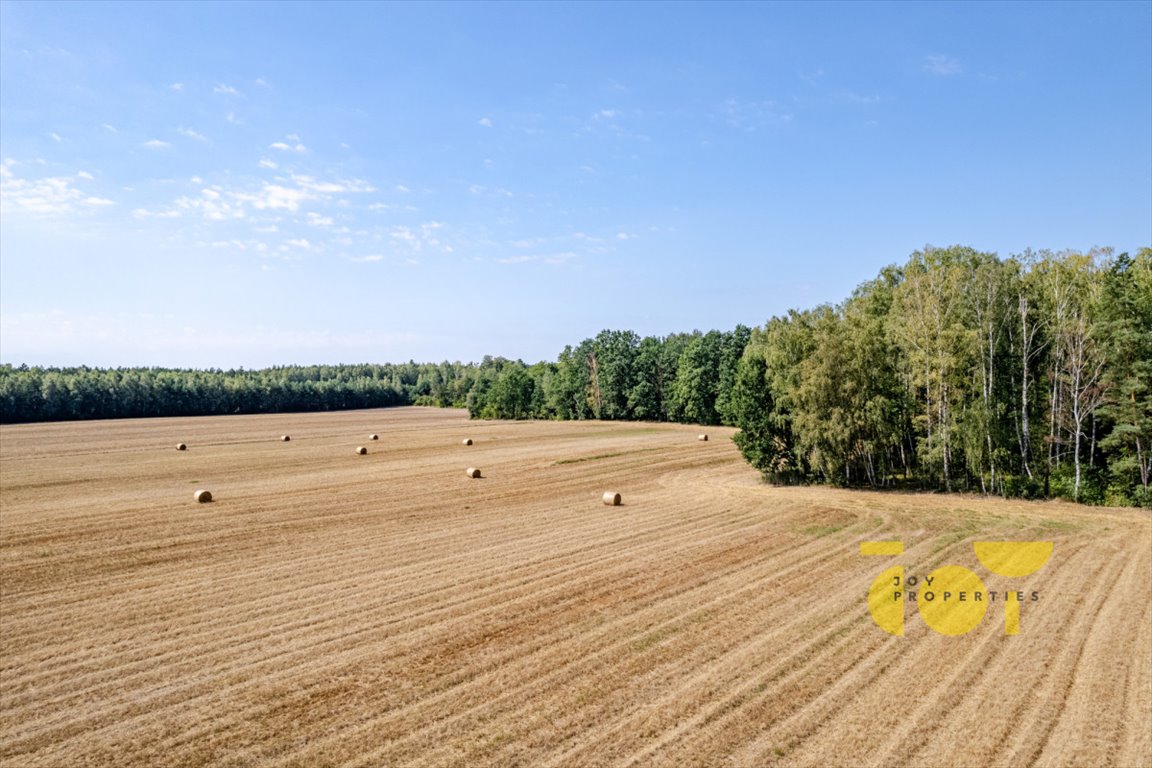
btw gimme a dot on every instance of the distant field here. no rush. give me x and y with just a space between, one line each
334 609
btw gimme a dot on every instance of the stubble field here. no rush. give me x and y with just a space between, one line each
345 610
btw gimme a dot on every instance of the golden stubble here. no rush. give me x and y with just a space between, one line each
333 609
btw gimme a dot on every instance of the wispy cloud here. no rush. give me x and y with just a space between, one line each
852 97
283 147
45 196
421 238
751 115
226 89
480 189
939 64
372 257
176 87
333 187
560 258
156 144
266 163
486 122
55 137
191 134
210 204
218 203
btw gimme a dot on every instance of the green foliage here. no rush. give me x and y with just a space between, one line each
1029 376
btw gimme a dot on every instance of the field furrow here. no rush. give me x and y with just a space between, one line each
330 609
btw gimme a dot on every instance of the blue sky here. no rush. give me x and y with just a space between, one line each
222 185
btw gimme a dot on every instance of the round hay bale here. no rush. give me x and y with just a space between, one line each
361 450
611 499
285 438
373 437
466 441
202 497
181 447
702 438
472 472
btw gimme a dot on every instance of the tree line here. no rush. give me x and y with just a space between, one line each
1027 376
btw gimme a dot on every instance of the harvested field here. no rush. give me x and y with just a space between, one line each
391 611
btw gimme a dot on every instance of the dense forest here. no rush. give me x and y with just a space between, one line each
1028 376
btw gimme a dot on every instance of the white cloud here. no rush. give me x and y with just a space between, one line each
110 128
226 90
280 145
55 137
369 258
219 203
332 187
191 134
515 260
211 206
266 163
484 121
405 235
176 87
560 258
402 188
231 117
276 197
623 236
262 82
156 144
939 64
144 213
426 237
751 115
47 196
299 243
85 175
